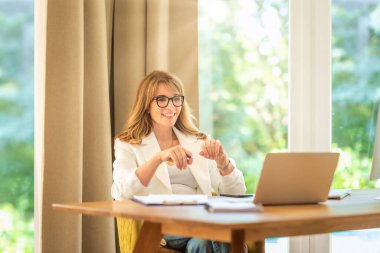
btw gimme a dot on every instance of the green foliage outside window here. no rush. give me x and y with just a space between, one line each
243 64
244 58
356 88
16 126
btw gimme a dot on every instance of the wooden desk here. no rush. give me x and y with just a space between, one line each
359 211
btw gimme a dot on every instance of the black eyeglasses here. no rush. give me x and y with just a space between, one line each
163 101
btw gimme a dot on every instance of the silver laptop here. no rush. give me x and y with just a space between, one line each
296 178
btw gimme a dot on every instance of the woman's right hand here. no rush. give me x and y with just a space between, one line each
178 155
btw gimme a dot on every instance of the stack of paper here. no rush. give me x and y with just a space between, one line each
171 199
212 204
232 204
223 206
339 193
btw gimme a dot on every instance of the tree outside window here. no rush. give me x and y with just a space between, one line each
16 126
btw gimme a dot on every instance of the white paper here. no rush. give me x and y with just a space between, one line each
171 199
233 205
339 193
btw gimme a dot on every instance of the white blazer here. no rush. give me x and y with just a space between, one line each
128 157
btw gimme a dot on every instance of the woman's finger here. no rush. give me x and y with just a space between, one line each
205 150
209 148
184 158
217 151
212 148
216 148
189 156
177 159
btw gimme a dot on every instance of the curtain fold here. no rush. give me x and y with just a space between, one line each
90 56
61 179
183 45
74 158
129 57
97 155
150 35
172 42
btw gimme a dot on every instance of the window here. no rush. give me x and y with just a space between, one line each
16 126
356 94
243 82
356 87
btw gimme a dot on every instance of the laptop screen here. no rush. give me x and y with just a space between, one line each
296 178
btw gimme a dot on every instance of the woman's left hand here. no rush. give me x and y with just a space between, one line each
213 149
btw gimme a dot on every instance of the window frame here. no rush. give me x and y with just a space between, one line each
310 103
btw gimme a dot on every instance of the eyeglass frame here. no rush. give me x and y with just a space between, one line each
181 96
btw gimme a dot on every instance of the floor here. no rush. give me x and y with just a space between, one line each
360 241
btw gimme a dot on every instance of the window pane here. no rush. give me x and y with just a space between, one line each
356 94
16 126
243 80
356 88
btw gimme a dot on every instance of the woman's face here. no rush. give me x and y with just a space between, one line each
165 116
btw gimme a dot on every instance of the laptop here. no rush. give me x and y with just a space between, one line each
296 178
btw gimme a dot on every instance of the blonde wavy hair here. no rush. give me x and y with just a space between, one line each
139 123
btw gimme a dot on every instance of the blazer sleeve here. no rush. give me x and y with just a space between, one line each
125 182
232 183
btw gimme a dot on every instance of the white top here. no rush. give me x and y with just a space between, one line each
128 157
182 181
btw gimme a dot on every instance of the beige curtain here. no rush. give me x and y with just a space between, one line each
154 34
90 56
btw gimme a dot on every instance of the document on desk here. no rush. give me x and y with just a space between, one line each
171 199
232 204
339 193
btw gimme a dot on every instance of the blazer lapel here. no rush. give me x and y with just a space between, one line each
199 168
149 148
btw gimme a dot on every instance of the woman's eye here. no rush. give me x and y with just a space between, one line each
161 99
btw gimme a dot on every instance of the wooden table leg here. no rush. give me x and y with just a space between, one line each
237 242
149 238
259 246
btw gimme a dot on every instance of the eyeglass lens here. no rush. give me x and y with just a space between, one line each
163 101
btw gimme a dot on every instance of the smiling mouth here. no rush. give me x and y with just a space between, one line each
168 114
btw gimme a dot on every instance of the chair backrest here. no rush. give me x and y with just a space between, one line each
128 231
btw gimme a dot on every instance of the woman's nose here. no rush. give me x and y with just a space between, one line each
171 105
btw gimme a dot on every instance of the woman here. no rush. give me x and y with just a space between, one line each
161 151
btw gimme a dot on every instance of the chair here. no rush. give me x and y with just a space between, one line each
128 230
